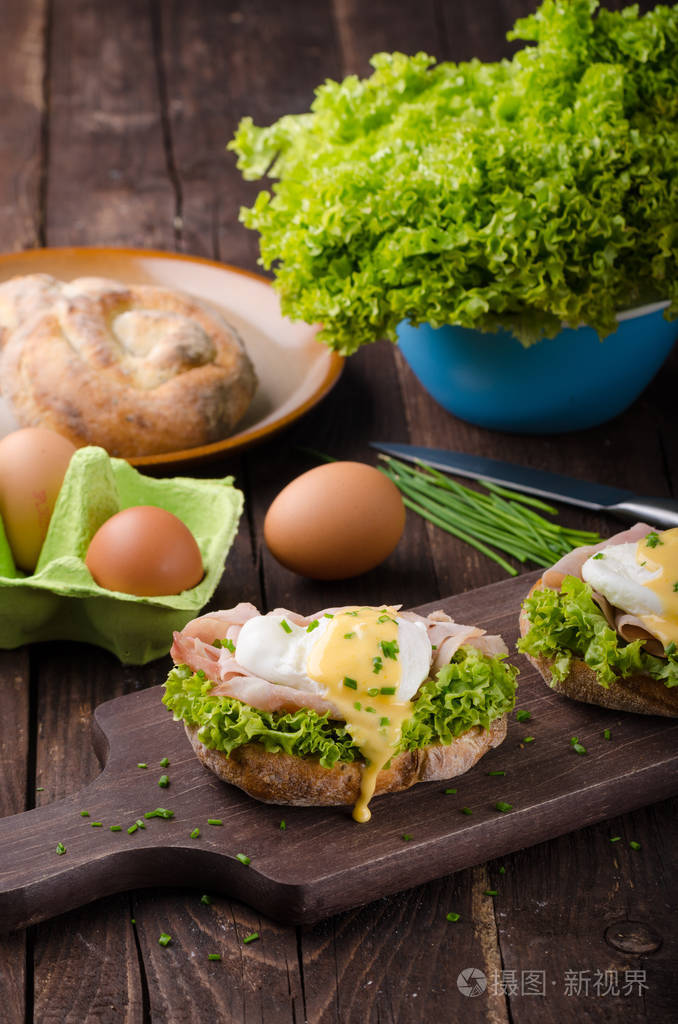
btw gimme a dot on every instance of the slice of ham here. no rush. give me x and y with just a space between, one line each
629 627
194 646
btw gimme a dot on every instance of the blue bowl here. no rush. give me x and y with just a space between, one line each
569 382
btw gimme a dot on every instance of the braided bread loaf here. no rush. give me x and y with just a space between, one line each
137 369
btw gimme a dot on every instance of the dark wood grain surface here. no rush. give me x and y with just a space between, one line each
114 123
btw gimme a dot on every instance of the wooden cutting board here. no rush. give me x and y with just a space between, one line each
322 862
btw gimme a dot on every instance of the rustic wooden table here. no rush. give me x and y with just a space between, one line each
114 122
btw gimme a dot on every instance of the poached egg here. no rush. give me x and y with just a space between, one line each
641 578
367 662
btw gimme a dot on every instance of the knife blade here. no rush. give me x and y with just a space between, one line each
599 497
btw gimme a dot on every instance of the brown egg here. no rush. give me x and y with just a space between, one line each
146 551
33 463
337 520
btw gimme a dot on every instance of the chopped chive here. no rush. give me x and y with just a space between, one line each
60 849
448 792
39 789
201 674
250 938
387 691
371 710
377 664
97 824
634 845
615 839
496 773
214 956
502 870
142 764
132 829
385 618
116 828
522 715
164 763
466 810
351 684
159 812
357 705
195 834
390 649
207 900
243 858
373 691
383 722
406 836
312 625
354 614
501 805
283 825
606 734
164 939
653 539
491 892
139 823
452 916
528 739
328 615
599 555
578 747
348 636
163 781
84 814
214 821
285 625
216 643
229 645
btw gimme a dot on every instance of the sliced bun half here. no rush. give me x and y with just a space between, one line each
278 778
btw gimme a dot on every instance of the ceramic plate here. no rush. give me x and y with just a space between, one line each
295 371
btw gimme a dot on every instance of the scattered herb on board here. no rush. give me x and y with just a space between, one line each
522 715
164 781
452 916
578 747
252 937
60 849
634 845
207 900
502 806
214 956
164 939
243 858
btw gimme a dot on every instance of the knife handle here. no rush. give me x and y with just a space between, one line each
657 511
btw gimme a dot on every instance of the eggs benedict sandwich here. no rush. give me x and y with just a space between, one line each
338 706
602 624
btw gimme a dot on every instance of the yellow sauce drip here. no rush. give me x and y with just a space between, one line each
346 651
663 555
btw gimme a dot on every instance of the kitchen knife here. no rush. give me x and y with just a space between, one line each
600 497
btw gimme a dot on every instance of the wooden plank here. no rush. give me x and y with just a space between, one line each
323 862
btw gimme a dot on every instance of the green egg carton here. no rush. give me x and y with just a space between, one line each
61 601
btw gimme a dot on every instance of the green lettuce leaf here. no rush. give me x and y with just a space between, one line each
518 194
568 623
472 690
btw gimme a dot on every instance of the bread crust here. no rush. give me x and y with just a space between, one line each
284 779
638 693
137 369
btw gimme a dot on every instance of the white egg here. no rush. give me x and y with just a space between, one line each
280 653
621 579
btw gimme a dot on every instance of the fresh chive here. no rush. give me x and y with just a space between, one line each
371 710
387 691
283 825
163 781
312 625
39 789
357 705
214 821
229 645
252 937
653 539
60 849
195 834
452 916
377 665
491 892
97 824
385 618
373 691
390 649
132 829
354 614
502 870
116 828
142 764
634 845
606 734
466 810
348 636
598 555
285 625
448 792
383 722
216 643
214 956
528 739
351 684
84 814
502 806
159 812
407 837
578 747
243 858
207 900
615 839
139 823
496 773
328 615
164 762
164 939
522 715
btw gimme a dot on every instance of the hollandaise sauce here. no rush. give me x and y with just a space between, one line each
357 659
658 552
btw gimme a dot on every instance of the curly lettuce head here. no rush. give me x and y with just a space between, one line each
521 194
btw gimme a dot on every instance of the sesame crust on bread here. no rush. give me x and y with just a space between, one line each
638 693
279 778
